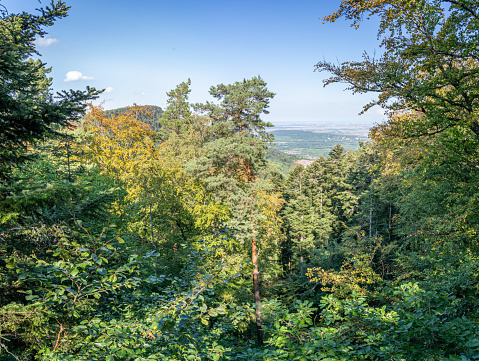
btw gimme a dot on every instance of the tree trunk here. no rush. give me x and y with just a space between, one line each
301 240
68 160
390 214
257 298
371 212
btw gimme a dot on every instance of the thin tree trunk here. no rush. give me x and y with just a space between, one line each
152 231
257 298
68 160
371 213
390 230
301 240
371 220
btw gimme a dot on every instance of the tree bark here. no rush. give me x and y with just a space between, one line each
371 212
68 160
257 298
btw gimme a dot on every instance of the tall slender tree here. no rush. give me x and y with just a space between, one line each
178 112
233 161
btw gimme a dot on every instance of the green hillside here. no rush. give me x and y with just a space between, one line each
153 119
285 162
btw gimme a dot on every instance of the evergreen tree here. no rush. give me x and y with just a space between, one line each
307 215
338 188
183 132
29 112
40 199
232 163
177 113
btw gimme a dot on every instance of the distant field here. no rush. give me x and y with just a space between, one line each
311 145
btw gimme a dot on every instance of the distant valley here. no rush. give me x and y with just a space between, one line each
294 143
313 143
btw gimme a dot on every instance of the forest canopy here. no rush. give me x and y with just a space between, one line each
167 234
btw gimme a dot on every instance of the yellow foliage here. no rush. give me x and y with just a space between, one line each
355 275
397 153
118 145
269 204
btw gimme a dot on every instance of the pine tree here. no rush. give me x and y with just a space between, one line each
232 163
29 112
307 217
177 114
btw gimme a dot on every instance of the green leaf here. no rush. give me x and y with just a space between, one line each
95 258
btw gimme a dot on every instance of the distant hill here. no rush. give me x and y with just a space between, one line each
153 120
285 162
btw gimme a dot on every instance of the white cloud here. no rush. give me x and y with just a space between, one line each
109 89
142 93
76 76
45 42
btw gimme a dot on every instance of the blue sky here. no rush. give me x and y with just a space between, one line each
141 49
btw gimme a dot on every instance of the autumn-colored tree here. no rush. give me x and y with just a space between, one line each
429 63
117 144
170 207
